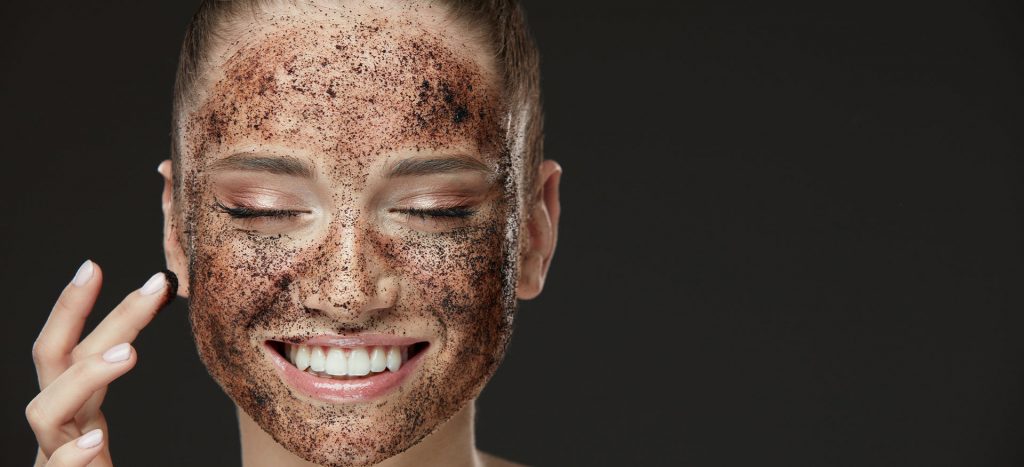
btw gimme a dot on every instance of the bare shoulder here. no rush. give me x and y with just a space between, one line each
494 461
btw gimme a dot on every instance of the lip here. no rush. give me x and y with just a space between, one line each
342 391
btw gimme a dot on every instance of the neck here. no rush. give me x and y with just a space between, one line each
453 444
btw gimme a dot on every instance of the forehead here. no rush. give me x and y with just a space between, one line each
348 84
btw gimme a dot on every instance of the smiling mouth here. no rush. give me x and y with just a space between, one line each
347 362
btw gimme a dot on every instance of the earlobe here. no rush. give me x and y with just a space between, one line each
174 254
542 229
531 274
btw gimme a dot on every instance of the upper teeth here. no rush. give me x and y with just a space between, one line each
350 361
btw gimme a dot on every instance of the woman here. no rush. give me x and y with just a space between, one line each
355 201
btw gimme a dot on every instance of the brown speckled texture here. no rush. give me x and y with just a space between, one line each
171 292
346 88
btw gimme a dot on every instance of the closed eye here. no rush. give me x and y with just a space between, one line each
246 212
456 212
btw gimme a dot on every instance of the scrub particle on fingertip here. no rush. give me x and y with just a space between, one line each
171 292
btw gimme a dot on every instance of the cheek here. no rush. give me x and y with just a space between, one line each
455 280
451 269
239 277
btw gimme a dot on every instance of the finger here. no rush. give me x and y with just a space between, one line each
78 452
63 328
54 407
124 323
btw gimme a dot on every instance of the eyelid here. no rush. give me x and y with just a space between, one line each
435 201
264 198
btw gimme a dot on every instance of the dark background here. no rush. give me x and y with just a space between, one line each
791 233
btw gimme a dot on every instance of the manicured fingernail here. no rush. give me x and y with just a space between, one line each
90 439
118 353
84 274
154 284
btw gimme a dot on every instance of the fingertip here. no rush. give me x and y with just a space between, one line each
89 275
119 353
78 452
90 440
172 287
84 273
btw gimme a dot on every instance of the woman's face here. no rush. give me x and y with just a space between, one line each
347 189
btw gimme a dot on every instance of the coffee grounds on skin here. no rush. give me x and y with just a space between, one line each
347 87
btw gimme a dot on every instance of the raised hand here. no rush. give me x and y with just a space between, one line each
73 375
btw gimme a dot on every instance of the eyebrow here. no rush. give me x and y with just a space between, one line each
287 165
278 165
412 167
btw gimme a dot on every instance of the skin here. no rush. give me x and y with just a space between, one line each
350 95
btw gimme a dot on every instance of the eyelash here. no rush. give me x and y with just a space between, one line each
454 212
245 212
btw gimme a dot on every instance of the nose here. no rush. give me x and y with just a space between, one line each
346 281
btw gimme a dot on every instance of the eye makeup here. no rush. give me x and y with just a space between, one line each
246 212
457 212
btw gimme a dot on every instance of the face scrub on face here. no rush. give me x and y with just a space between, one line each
349 93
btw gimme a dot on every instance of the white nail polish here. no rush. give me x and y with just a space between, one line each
154 284
118 353
90 439
84 273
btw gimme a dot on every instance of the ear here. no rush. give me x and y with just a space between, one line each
174 254
542 232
